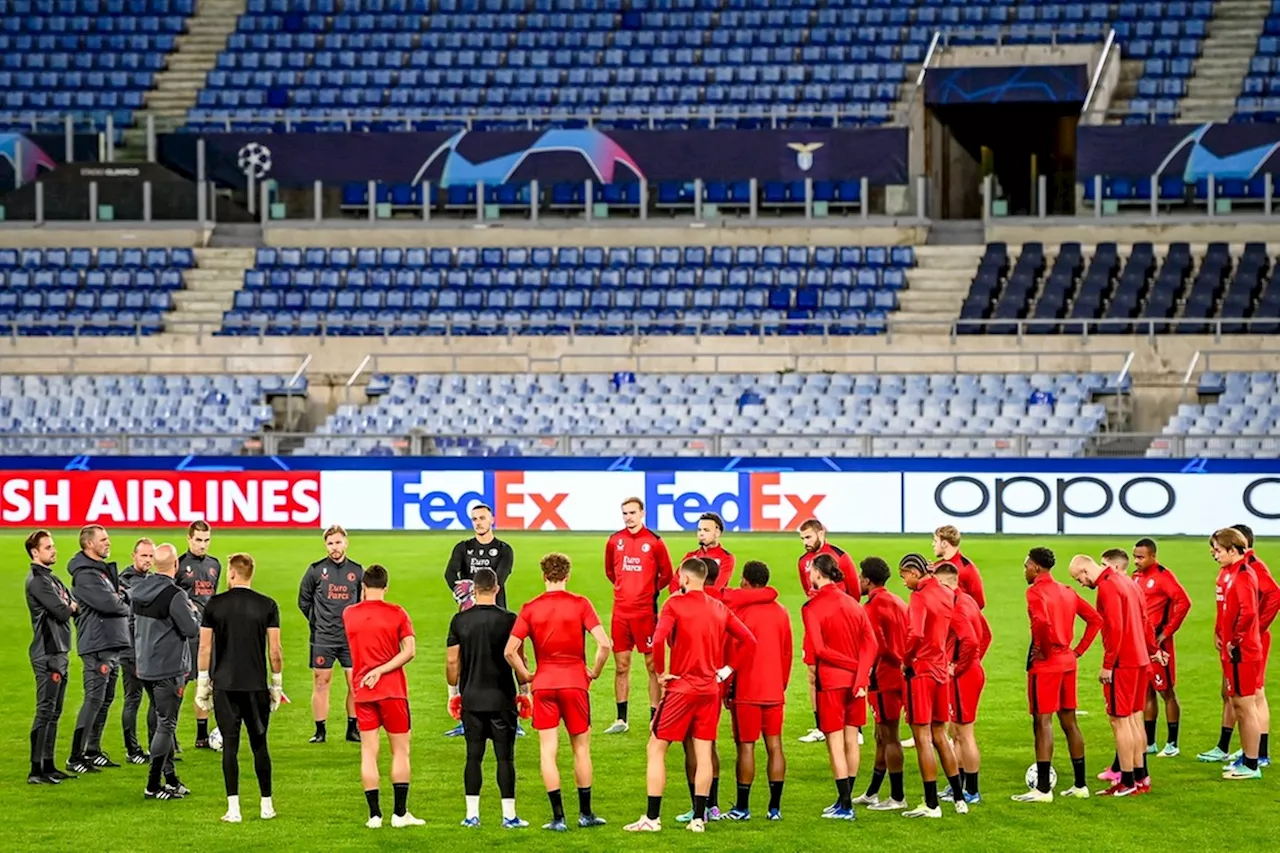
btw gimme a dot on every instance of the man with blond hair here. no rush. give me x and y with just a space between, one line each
946 547
328 588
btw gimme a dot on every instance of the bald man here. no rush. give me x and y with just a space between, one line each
166 623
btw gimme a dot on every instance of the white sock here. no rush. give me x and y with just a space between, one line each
233 805
473 806
508 808
267 806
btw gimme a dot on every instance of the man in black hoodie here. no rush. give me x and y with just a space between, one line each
166 622
51 609
102 633
144 552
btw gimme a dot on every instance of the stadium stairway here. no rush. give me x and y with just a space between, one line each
210 290
1221 68
184 76
938 285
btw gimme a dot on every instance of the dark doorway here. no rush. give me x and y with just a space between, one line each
1016 143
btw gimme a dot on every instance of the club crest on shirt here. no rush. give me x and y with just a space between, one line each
493 552
645 548
351 576
1151 583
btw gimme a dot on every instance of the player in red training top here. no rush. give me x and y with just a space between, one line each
946 547
928 682
1167 605
690 754
814 537
888 615
1127 647
380 636
558 622
1052 608
840 645
1268 607
697 626
1238 639
967 644
710 529
758 689
636 562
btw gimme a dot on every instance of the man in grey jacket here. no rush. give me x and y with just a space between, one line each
165 623
51 608
143 555
102 633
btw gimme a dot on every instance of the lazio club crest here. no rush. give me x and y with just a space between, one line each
804 153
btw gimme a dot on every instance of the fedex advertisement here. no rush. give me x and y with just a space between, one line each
975 498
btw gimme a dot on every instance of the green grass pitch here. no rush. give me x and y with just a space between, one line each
318 792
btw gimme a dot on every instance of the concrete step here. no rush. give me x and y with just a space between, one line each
930 303
939 285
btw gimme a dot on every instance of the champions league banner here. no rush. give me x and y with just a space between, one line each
298 160
1191 152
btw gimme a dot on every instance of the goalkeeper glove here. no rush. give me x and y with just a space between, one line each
204 692
524 704
277 689
455 703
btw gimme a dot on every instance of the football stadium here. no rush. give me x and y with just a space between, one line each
376 361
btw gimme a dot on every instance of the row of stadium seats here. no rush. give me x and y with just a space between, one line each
1175 189
1122 291
585 279
105 259
47 323
769 413
672 195
1240 423
742 321
1262 83
136 299
588 257
70 279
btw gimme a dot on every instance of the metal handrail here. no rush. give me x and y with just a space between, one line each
1097 71
857 444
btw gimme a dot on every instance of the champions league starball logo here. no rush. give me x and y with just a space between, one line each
254 160
453 164
21 152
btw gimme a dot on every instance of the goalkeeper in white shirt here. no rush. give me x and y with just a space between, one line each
484 550
241 631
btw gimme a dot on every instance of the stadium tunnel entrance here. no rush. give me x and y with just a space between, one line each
1015 143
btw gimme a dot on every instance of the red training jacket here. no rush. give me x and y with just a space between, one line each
697 626
1127 639
969 636
845 562
638 566
1237 623
888 615
1052 608
970 578
928 621
1268 591
724 559
761 678
1166 600
838 640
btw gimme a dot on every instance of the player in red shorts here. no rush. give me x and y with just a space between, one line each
557 622
946 547
1238 639
636 562
1052 608
710 529
888 615
758 689
380 636
928 683
697 627
967 645
1127 646
840 645
814 537
1167 605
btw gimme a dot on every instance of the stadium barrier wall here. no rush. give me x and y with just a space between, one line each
1192 152
1092 497
575 155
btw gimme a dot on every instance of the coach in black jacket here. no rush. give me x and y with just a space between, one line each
51 608
166 622
102 633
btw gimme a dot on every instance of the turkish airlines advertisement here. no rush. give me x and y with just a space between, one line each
769 501
159 498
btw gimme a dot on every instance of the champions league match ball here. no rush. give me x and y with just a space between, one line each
215 741
1031 778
